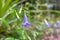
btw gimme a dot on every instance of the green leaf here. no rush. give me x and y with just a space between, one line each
9 38
0 7
5 22
6 6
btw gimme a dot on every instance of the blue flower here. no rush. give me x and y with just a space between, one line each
46 23
26 23
55 26
58 22
49 5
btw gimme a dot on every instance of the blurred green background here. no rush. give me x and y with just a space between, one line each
12 13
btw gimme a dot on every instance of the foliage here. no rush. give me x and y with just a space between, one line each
11 19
